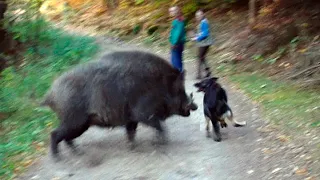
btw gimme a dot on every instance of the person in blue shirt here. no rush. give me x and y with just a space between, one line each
177 38
204 41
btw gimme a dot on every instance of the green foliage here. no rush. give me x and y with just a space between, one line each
136 29
190 8
49 52
281 51
151 30
138 2
294 42
258 57
271 60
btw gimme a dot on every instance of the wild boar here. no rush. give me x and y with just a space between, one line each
121 89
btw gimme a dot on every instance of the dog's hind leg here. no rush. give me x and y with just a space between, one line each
208 125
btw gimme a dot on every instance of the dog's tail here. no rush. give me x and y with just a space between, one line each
229 115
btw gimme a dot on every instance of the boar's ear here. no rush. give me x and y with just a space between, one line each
182 75
177 75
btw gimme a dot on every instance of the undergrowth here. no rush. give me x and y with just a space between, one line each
48 52
284 104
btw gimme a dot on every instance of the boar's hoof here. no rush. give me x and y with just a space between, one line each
56 158
132 146
75 149
78 151
161 139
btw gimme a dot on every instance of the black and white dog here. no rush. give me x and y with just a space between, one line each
215 106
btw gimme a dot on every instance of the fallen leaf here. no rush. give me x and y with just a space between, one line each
266 151
301 172
302 50
310 178
276 170
27 163
250 171
35 177
264 130
263 86
283 138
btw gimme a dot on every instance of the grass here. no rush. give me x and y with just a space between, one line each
24 134
284 104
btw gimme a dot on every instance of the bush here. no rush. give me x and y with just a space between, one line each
48 52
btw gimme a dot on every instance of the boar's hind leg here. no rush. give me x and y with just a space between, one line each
67 134
131 128
73 133
56 137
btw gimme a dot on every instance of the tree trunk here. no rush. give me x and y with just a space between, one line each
252 13
3 34
266 3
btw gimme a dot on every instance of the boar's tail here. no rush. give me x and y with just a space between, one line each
47 101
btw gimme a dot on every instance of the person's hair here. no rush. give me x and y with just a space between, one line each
200 11
175 9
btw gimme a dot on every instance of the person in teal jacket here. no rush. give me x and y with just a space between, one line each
177 38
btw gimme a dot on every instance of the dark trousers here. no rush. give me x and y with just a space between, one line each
176 57
202 52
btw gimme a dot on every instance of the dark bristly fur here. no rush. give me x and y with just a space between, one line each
215 104
121 89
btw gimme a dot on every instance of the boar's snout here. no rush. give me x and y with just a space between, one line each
189 106
192 105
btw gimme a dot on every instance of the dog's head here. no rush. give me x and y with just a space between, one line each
203 84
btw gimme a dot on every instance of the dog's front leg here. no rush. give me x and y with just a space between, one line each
216 133
208 125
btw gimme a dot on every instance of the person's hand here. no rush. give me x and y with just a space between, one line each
194 39
174 46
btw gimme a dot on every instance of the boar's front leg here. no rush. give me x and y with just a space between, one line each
150 110
131 128
161 134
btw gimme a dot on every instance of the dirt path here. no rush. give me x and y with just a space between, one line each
242 155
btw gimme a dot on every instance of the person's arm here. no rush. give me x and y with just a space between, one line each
204 27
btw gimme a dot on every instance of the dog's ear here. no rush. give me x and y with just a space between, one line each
215 79
197 84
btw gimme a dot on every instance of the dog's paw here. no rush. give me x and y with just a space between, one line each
223 124
216 137
208 134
